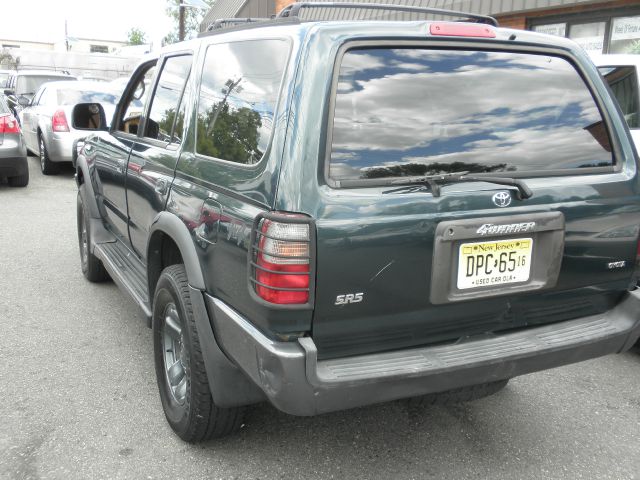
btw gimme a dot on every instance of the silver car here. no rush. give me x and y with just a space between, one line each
13 152
47 125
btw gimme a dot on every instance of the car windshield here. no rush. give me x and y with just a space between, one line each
28 84
71 97
409 111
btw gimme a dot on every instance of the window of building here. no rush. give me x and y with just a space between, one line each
237 100
589 36
596 32
625 35
98 49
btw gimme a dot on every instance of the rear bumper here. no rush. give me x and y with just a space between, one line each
296 382
60 145
13 166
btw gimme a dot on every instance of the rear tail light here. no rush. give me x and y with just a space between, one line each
281 259
8 124
59 122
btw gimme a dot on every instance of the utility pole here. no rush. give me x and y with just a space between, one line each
181 22
66 35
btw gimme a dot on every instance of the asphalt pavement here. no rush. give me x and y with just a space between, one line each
79 399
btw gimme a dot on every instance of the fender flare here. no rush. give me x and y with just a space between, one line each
89 198
172 226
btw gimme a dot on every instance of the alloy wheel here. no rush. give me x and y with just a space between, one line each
174 354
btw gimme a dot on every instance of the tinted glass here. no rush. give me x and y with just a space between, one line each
624 84
405 112
167 97
238 95
71 97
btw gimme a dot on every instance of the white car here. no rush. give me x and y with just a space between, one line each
622 73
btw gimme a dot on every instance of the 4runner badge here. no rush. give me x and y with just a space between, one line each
491 229
502 199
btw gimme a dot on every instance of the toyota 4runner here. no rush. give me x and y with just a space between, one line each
329 214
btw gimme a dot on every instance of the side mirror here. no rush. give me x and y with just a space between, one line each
24 101
89 116
8 91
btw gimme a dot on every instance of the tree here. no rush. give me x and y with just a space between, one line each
192 19
136 37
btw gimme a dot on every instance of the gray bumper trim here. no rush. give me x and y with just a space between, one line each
296 382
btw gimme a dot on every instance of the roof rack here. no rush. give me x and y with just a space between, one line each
293 10
233 22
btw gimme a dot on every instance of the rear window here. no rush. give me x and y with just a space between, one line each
29 84
624 84
71 97
405 112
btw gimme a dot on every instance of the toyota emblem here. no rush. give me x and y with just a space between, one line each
502 199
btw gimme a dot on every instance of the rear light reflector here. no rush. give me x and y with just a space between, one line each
8 124
462 30
59 122
281 259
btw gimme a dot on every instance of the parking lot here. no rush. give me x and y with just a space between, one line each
80 398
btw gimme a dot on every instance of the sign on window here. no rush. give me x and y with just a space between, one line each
558 29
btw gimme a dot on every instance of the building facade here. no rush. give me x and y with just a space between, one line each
611 26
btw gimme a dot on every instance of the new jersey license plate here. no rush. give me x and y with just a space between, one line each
500 262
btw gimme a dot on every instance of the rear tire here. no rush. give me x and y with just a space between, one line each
180 371
20 180
92 267
46 165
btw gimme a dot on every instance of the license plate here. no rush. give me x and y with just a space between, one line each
500 262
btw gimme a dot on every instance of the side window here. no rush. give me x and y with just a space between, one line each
131 114
237 99
166 99
624 85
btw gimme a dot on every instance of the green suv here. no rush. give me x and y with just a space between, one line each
329 214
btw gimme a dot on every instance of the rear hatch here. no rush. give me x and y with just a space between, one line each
402 261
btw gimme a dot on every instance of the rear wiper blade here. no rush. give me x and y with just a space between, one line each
435 182
413 184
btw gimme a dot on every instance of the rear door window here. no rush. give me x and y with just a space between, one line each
237 100
623 81
409 111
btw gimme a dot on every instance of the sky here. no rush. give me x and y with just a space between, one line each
95 19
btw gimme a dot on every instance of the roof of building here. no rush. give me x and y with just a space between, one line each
223 9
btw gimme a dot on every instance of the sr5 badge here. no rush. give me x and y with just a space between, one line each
349 298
